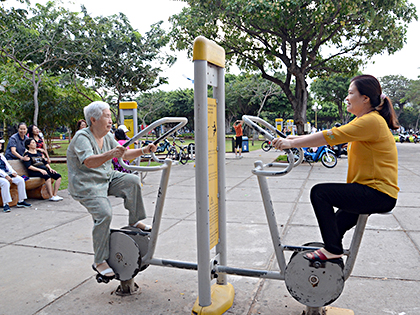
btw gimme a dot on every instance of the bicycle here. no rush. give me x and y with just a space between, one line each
182 156
266 146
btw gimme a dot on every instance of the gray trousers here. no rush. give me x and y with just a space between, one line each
126 186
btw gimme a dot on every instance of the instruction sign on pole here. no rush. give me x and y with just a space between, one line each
213 178
209 128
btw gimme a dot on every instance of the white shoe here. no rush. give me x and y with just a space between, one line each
55 198
59 198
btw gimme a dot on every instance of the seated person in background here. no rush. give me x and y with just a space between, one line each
16 146
37 166
8 176
34 133
120 137
81 123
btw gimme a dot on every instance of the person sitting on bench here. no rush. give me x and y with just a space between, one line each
8 176
38 166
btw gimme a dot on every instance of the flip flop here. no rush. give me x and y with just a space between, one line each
147 228
108 272
318 255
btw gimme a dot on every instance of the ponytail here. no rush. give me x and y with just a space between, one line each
368 85
386 110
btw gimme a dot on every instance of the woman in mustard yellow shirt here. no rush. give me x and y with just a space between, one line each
372 175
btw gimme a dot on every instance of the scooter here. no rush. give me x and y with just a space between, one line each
404 137
323 154
343 150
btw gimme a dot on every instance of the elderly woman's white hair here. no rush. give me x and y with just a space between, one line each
94 110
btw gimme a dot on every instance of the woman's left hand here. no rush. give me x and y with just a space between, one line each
281 143
51 170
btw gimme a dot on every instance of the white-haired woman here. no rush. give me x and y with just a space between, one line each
92 179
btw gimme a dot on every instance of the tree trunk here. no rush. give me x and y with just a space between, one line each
36 84
299 106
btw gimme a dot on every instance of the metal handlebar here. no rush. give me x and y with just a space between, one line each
251 121
182 121
259 170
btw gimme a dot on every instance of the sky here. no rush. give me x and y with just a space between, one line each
143 13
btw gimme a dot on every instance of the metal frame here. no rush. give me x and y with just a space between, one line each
207 73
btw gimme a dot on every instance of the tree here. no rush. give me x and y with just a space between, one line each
414 97
14 90
122 62
302 37
39 41
396 87
333 89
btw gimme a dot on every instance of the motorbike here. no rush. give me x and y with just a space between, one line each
404 137
416 137
323 154
343 149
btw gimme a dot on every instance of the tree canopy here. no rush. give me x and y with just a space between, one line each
333 89
105 54
299 37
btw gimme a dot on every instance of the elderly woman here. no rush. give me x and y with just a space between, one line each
372 174
92 179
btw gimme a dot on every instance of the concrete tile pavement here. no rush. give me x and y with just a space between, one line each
46 250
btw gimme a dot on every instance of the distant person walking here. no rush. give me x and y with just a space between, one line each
239 133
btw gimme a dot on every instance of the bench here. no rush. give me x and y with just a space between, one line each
35 186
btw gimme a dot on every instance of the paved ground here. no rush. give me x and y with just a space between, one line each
46 251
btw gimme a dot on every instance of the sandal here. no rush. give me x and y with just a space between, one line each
103 269
318 255
144 227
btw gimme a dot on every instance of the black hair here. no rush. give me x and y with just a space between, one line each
31 131
369 86
28 142
79 122
120 134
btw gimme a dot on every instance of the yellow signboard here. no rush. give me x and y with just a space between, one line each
213 180
129 123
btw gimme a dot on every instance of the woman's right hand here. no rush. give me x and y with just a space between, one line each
118 151
43 172
9 179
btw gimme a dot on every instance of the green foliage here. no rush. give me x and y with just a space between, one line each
122 62
332 90
396 87
410 117
297 37
105 50
246 94
40 39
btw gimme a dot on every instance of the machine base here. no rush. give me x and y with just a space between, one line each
221 300
329 310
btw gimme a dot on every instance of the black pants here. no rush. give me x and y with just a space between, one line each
351 200
47 176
